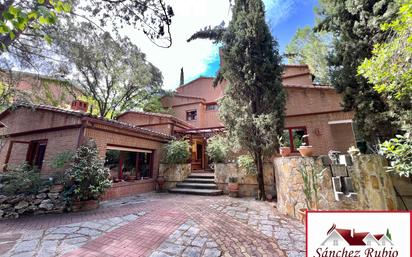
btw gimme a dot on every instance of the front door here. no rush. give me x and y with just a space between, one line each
198 154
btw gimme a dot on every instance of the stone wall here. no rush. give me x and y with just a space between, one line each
174 173
45 201
247 183
371 183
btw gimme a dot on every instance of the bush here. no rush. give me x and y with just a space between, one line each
62 159
87 178
22 179
177 152
217 149
399 151
246 162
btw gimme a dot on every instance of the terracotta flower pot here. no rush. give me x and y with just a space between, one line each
302 213
284 151
85 205
233 189
306 151
160 180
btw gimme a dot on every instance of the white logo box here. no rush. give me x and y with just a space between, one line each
358 234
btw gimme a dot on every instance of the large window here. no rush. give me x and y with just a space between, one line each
129 163
36 152
294 136
191 115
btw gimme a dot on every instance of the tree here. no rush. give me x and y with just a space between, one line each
114 73
355 26
253 106
311 48
21 20
390 71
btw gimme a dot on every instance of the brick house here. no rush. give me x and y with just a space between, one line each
35 134
311 109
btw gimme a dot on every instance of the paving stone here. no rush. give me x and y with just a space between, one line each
199 241
192 252
88 232
54 236
64 230
159 254
26 246
173 249
25 254
212 252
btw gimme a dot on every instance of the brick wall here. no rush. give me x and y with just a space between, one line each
57 142
321 136
128 188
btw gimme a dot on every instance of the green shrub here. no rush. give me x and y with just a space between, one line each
87 178
22 179
62 159
217 149
247 163
176 152
399 151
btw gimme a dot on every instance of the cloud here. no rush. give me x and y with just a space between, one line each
278 11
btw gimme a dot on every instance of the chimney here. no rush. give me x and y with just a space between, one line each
182 77
79 105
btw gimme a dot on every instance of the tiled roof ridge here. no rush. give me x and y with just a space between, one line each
165 115
88 115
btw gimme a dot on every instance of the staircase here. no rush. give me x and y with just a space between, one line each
198 183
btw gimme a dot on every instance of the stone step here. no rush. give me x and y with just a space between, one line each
202 175
196 185
195 191
200 180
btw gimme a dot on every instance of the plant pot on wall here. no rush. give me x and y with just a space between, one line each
302 213
233 187
284 151
306 150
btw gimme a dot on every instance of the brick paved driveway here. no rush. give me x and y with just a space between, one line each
158 225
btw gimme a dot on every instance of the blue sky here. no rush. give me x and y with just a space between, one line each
200 57
284 18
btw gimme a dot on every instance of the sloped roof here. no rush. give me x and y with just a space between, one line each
155 114
80 114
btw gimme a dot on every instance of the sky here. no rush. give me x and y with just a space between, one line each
201 57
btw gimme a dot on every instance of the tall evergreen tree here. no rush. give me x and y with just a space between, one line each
356 29
253 107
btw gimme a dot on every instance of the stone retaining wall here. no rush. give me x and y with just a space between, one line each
371 183
247 183
46 201
174 173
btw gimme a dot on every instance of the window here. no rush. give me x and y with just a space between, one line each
294 137
131 163
212 107
36 152
335 242
368 242
191 115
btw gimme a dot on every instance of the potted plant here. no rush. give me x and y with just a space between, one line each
305 150
233 187
311 174
87 179
284 148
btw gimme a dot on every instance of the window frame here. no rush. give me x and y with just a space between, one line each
212 104
33 150
189 111
292 147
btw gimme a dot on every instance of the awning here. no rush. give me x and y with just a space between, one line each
335 122
127 149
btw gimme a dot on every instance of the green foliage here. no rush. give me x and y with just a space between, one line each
390 70
22 179
247 163
399 151
355 27
87 178
253 106
233 179
217 149
60 160
112 72
311 48
176 152
311 174
18 16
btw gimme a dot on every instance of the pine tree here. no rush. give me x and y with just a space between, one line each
253 107
355 26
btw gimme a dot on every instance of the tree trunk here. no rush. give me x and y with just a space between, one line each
261 183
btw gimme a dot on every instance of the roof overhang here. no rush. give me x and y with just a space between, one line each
337 122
